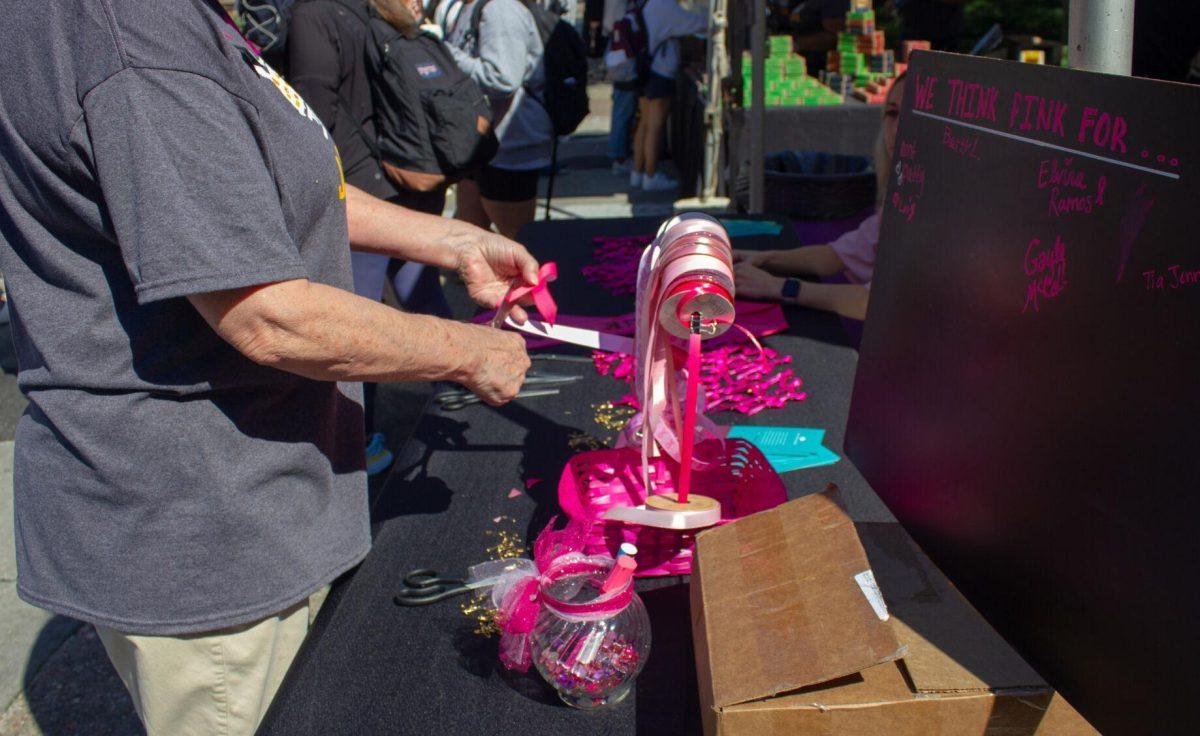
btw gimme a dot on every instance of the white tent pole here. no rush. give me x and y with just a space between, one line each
1100 36
757 126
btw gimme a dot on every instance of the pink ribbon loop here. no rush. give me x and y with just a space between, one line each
539 292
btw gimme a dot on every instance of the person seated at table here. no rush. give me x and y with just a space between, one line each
769 274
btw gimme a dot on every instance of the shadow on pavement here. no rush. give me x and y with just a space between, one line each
70 687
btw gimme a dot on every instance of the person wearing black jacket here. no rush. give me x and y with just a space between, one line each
328 68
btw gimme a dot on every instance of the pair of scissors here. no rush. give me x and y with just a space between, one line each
422 587
455 400
562 358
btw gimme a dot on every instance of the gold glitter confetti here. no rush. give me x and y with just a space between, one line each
613 418
508 543
579 441
477 608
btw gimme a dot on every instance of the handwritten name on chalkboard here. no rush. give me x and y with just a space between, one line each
910 181
1069 187
1176 277
1047 269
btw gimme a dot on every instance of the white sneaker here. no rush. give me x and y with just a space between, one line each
635 180
660 182
621 168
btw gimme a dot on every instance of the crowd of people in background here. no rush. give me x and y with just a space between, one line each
336 52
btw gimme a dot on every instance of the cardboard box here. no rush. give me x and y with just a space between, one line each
792 637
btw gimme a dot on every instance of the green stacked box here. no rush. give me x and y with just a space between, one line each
779 46
785 79
852 63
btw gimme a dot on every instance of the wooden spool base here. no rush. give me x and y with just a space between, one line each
670 502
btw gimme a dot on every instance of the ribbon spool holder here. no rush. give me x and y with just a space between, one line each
685 293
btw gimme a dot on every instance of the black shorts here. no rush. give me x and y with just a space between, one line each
507 185
657 87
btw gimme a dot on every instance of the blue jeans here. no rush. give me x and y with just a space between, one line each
620 135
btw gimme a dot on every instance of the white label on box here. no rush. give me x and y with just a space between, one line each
870 589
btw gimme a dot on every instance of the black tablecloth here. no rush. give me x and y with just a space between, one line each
372 667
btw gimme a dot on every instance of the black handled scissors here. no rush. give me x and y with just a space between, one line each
422 587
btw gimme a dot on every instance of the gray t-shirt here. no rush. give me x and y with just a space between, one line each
164 483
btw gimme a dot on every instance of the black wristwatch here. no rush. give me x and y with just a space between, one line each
790 289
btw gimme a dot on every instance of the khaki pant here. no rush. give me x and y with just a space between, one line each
217 683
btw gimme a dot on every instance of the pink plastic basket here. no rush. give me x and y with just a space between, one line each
738 476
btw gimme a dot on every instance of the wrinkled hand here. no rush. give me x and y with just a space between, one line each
495 364
754 283
489 264
759 258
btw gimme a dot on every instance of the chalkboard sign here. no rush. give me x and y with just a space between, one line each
1028 392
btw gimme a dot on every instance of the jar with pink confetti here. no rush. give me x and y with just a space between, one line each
587 643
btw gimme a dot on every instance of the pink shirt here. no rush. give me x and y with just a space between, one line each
857 250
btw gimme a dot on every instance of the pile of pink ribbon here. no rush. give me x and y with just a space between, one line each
735 377
616 262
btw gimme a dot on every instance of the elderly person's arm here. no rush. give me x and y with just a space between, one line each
488 263
327 334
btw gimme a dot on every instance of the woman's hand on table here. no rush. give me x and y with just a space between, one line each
758 258
755 283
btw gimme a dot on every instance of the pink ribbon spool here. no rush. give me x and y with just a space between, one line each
685 280
694 269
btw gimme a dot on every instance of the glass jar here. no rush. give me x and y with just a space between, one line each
590 645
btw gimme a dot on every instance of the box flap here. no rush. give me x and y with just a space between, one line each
951 648
781 606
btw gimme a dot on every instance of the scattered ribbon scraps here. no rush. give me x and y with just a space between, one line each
736 377
616 262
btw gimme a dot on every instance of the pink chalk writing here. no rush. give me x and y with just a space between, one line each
1047 271
969 100
964 145
905 204
1176 277
1069 190
910 181
924 91
1106 131
1037 113
912 173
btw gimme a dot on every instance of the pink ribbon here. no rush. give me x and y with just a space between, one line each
539 292
557 554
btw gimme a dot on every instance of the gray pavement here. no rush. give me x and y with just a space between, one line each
55 679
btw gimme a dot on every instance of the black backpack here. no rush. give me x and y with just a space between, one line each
266 23
565 62
433 122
